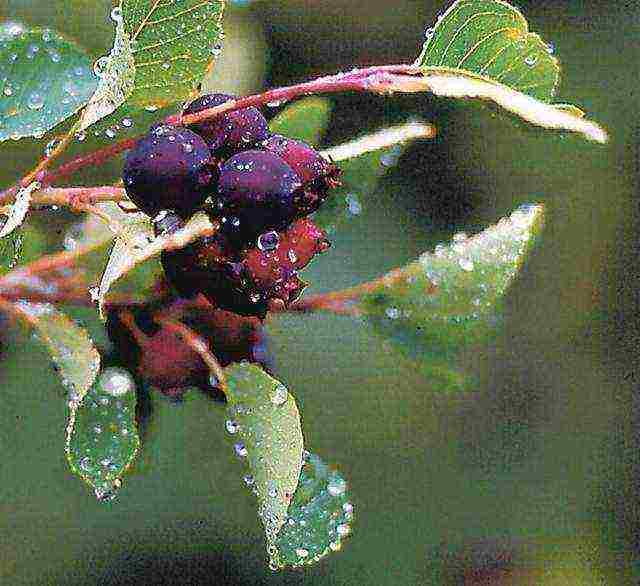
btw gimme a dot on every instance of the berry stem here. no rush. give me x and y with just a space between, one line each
201 347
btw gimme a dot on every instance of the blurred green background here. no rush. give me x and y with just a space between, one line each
533 479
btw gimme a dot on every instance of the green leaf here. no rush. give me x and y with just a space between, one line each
491 38
74 355
363 163
134 262
102 436
264 417
44 79
304 120
161 52
451 299
319 517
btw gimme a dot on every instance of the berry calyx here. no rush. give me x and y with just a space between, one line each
168 169
230 132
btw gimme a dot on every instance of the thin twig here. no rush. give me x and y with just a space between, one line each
199 345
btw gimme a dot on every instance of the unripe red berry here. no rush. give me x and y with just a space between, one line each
271 270
169 168
230 132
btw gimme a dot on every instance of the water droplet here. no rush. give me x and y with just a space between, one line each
466 264
531 60
255 297
428 32
51 146
81 136
187 147
166 65
248 479
337 486
54 55
100 66
354 207
279 395
110 132
268 241
97 429
231 426
241 450
8 90
551 48
127 122
392 312
343 530
292 256
116 14
301 552
151 108
116 382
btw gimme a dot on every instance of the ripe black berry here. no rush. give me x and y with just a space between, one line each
260 189
231 132
169 168
318 174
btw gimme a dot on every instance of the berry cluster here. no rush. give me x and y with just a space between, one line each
260 188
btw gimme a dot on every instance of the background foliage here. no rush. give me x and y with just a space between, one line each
537 467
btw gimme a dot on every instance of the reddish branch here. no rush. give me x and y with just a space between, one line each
378 79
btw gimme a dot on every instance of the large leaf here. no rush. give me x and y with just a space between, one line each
44 79
264 418
102 435
134 261
451 299
491 38
305 120
319 517
161 52
75 357
364 162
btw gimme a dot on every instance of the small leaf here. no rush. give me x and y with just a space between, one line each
134 258
319 517
72 350
364 162
304 120
264 417
45 79
102 435
491 38
451 299
161 53
10 251
19 209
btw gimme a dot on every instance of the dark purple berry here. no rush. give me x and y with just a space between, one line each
318 174
169 169
230 132
260 189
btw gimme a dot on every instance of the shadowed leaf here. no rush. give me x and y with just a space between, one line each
364 162
44 79
102 435
304 120
451 299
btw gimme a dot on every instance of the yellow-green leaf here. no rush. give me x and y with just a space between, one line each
491 38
